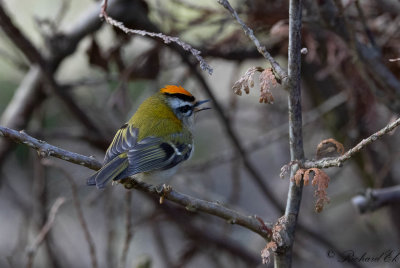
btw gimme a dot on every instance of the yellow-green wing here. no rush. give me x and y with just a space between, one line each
124 140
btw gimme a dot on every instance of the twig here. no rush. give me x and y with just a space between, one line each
212 208
26 47
374 199
17 113
263 51
167 39
189 202
379 77
269 137
62 11
110 216
187 254
204 237
162 244
43 232
337 162
255 175
128 229
283 256
78 207
35 57
29 94
364 23
39 191
44 149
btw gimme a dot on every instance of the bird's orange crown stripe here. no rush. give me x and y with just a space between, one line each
172 89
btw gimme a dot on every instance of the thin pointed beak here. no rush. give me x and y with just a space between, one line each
200 103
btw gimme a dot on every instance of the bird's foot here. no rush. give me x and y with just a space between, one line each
163 190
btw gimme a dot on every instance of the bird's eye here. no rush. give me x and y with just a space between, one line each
185 109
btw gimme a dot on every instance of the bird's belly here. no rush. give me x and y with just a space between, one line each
157 177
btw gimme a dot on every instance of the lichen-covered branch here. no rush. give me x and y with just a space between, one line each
338 161
191 203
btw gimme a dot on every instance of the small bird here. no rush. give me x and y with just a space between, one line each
154 141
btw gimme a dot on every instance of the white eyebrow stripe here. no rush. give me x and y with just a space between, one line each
175 103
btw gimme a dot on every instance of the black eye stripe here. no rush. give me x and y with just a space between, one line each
185 108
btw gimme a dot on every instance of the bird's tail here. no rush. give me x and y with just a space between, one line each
113 170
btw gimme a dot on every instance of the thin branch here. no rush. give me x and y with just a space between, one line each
35 57
167 39
43 232
39 191
263 51
283 256
374 199
337 162
381 80
128 229
330 104
204 237
364 23
78 207
18 111
224 120
29 94
162 244
212 208
44 149
110 217
19 39
269 137
189 202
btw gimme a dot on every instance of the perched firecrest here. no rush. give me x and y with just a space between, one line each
155 140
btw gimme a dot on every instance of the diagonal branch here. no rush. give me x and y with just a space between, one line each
78 208
337 162
213 208
255 175
270 137
44 231
191 203
44 149
263 51
30 93
35 57
382 81
167 39
128 229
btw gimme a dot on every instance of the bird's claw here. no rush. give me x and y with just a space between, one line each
163 190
